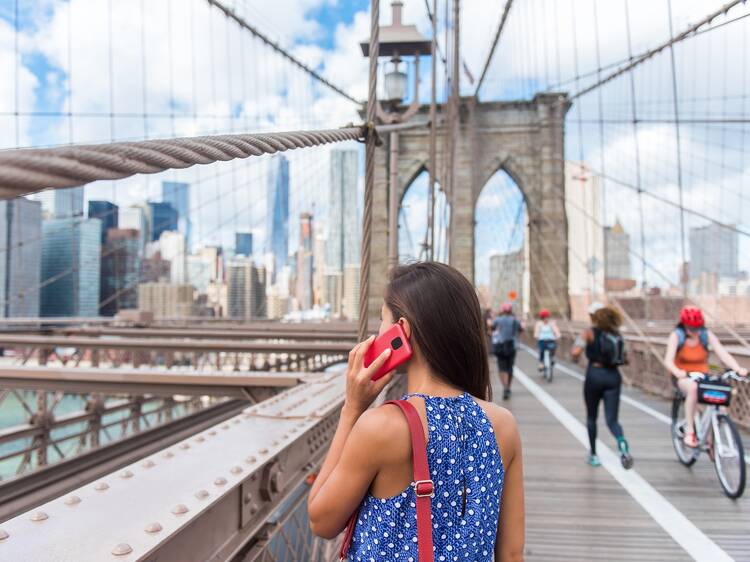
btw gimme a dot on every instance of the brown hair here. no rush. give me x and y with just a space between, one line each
446 321
607 319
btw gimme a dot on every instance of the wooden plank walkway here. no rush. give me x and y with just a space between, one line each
576 512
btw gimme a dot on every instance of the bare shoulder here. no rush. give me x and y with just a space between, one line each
505 427
385 430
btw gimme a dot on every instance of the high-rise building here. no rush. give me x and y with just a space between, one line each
343 246
120 271
585 236
319 263
243 244
305 263
616 252
163 217
20 244
155 269
135 217
166 300
277 212
205 267
333 290
350 301
177 194
71 255
506 275
68 203
173 249
105 211
713 249
246 290
276 305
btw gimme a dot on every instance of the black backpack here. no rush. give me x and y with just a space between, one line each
611 348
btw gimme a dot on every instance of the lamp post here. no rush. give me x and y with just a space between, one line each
395 41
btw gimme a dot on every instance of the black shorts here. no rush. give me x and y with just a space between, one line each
505 362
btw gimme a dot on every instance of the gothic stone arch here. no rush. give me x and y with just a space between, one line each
524 138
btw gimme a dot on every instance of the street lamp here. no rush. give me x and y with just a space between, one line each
397 40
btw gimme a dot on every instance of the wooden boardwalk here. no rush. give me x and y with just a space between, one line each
576 512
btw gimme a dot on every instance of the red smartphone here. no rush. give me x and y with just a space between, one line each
395 339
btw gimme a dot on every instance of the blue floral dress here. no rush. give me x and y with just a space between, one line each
468 474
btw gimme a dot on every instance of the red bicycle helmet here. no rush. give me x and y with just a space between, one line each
544 313
507 307
692 317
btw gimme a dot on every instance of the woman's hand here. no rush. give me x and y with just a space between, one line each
360 389
742 372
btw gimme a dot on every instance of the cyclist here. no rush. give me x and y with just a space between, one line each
505 331
546 333
688 347
605 351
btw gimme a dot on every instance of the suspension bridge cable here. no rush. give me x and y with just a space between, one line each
495 41
242 22
432 15
691 30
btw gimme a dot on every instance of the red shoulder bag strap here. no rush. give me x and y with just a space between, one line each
423 487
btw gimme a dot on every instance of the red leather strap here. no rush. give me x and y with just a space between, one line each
423 487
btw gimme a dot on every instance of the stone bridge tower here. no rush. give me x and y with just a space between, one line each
523 138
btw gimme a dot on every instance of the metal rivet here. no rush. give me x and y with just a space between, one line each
3 535
248 497
235 469
220 481
201 494
126 474
184 446
212 432
101 486
225 426
122 549
153 528
237 420
263 451
200 439
251 460
179 509
168 455
275 444
148 464
72 500
39 516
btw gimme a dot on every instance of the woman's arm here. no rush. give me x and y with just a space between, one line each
537 329
669 356
724 356
580 343
556 330
349 466
511 525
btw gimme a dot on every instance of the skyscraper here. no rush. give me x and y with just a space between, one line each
713 249
277 212
135 217
107 213
120 271
343 222
246 291
68 203
305 263
172 247
177 194
616 252
163 217
20 243
243 244
71 255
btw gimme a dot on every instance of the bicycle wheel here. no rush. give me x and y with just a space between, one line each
729 457
686 455
547 365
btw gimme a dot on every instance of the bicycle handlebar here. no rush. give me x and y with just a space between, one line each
726 375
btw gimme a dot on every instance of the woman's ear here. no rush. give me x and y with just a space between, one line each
406 326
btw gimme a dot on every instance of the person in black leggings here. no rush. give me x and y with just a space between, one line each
603 381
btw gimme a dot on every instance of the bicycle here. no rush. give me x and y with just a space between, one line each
716 432
548 361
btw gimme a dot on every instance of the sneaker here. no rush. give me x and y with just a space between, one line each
506 394
626 459
594 461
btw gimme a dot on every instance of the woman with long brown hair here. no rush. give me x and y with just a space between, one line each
473 446
605 351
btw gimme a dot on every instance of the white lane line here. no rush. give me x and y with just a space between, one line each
627 399
680 528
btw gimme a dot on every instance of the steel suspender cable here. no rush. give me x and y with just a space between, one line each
656 50
230 13
370 140
500 27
